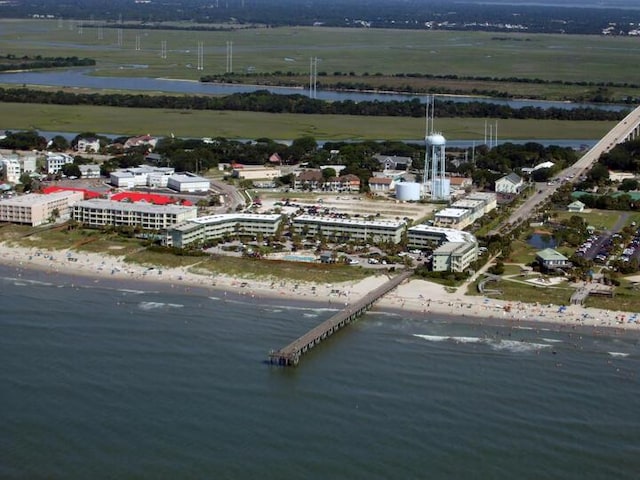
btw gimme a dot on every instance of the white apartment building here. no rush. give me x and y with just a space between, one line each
213 227
11 169
342 229
142 176
90 171
55 162
99 213
28 163
454 257
35 208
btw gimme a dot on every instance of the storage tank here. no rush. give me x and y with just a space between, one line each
442 188
408 191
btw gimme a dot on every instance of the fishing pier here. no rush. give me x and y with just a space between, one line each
290 355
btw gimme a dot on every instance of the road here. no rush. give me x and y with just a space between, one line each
232 197
618 134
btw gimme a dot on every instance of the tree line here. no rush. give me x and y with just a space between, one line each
264 101
12 62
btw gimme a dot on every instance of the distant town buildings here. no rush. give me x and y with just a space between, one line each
314 181
159 177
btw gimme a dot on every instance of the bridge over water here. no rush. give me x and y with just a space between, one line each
627 129
290 355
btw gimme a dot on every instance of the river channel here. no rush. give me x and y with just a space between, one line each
84 78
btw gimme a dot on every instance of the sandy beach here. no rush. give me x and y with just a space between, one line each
417 297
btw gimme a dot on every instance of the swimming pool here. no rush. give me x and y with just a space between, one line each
299 258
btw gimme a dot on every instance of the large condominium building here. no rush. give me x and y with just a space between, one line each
214 227
490 199
99 213
453 218
454 257
475 208
455 249
36 209
349 229
464 212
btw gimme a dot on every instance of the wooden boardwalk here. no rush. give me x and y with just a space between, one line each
290 355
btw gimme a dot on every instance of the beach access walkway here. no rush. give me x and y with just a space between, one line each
290 355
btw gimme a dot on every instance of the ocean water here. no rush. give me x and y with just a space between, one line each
128 381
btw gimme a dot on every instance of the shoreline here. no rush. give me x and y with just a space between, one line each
417 299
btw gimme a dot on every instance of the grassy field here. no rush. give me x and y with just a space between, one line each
601 219
481 54
229 124
361 55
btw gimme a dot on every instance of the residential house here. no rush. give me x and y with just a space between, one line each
393 162
510 184
576 206
141 141
88 145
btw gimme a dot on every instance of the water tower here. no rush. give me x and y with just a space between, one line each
435 169
434 181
